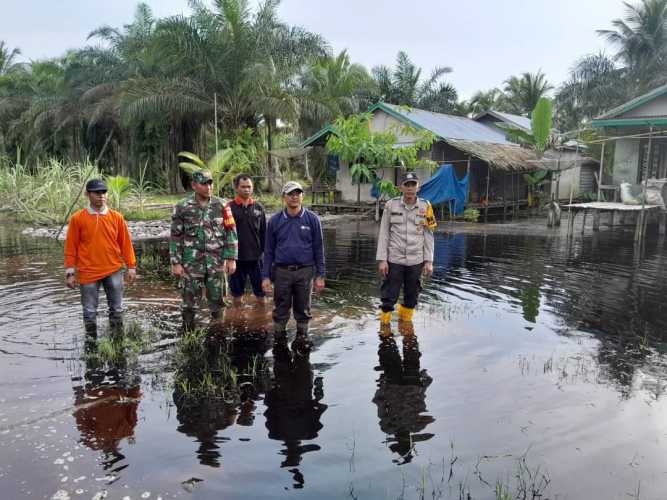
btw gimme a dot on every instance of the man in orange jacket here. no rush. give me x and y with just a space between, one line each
98 244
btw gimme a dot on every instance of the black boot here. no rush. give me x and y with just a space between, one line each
302 345
116 326
189 323
90 328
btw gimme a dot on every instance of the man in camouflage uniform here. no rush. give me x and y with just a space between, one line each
202 247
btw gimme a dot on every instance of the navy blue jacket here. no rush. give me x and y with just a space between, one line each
294 241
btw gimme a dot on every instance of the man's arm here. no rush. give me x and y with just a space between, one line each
71 252
176 237
269 250
383 235
318 245
125 243
262 229
230 249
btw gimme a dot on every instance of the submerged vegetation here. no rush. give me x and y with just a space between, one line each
205 370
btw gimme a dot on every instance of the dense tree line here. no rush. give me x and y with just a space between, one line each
135 96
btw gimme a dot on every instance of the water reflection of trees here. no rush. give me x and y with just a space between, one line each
294 408
600 284
401 394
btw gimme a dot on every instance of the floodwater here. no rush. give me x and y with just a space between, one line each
537 364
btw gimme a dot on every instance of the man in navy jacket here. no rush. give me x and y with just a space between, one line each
294 261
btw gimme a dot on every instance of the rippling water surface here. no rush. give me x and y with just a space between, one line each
534 357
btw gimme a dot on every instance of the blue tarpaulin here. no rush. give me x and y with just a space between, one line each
444 187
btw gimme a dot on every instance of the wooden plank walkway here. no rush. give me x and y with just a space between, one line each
639 215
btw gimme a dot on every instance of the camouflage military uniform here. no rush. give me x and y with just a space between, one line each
202 238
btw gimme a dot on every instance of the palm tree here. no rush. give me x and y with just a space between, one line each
8 58
492 99
595 84
641 37
333 87
403 86
524 91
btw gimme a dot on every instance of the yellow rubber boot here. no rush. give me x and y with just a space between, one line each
405 313
385 317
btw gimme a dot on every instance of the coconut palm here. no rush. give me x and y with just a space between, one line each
523 92
595 84
641 37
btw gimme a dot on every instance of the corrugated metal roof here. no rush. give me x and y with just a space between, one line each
509 118
509 157
445 126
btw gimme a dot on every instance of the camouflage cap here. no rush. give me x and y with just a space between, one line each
202 177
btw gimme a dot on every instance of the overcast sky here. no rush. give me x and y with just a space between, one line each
484 41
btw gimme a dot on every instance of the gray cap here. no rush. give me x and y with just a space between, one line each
292 186
409 177
96 185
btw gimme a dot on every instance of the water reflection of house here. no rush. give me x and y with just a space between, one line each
494 164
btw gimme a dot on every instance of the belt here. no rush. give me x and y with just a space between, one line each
293 267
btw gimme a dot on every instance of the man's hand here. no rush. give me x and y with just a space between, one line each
383 268
70 281
319 283
428 268
177 270
230 266
266 285
131 275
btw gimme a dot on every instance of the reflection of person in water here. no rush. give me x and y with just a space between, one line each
293 407
401 393
106 407
204 418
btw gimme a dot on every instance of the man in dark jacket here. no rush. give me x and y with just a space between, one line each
293 260
250 221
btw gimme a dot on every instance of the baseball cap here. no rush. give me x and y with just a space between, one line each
409 177
96 185
292 186
202 176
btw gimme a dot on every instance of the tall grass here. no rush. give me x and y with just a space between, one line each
45 193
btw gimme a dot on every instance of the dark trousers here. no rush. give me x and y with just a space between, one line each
292 289
399 276
246 269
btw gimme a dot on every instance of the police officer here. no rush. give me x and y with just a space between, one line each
202 247
405 249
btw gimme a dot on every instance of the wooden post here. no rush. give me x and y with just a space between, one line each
662 223
504 199
641 225
583 222
601 170
596 220
488 178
